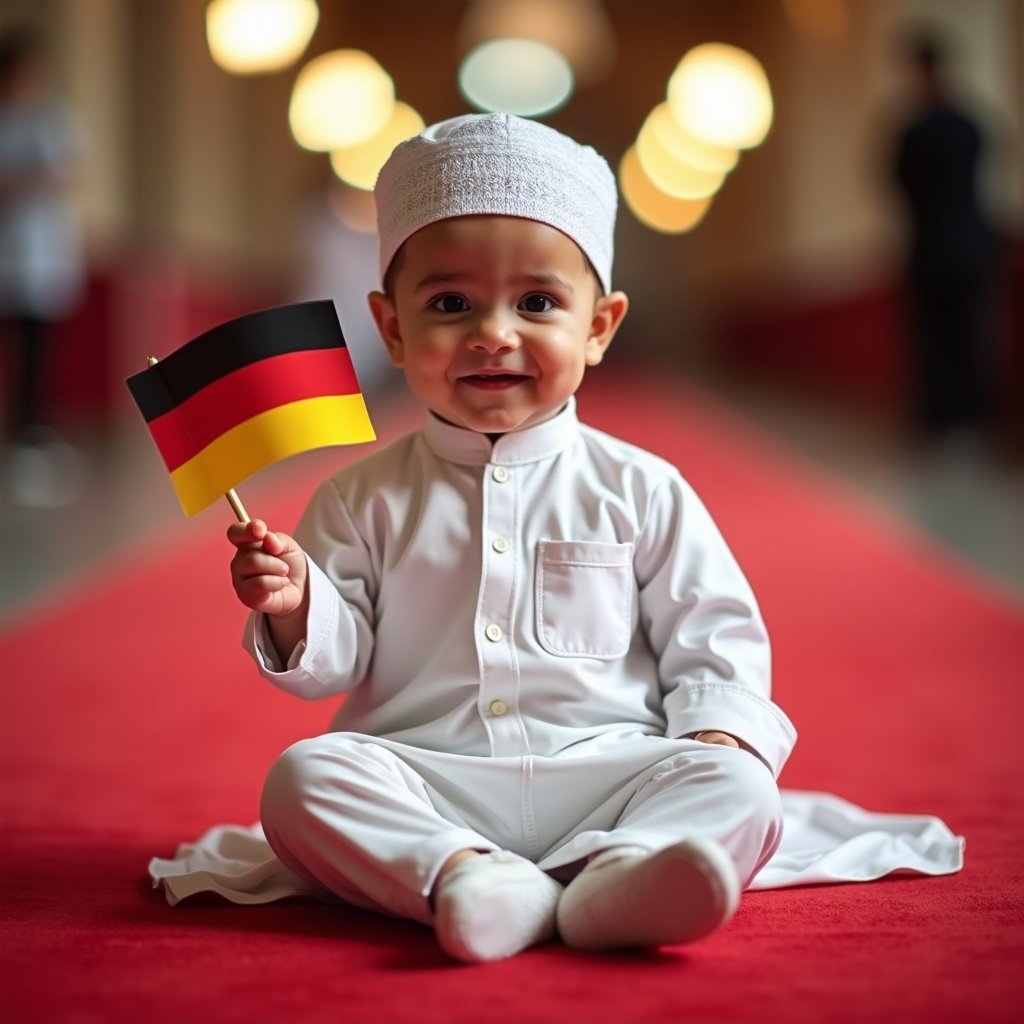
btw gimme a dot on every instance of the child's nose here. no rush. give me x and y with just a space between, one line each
494 333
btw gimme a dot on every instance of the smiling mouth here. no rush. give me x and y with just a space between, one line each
493 381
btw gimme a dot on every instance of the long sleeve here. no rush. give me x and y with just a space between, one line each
703 623
336 652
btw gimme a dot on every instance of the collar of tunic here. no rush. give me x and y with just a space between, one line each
533 444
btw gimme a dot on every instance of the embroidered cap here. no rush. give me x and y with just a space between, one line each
498 164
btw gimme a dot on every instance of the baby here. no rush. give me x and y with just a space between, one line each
558 716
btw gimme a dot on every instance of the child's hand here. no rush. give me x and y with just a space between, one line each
268 570
723 739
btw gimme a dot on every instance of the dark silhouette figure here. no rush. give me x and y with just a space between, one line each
950 259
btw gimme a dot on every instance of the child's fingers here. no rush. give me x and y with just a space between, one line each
255 534
263 583
265 594
255 562
260 571
242 534
273 543
257 587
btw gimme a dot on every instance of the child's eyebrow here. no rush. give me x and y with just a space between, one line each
546 279
457 277
453 277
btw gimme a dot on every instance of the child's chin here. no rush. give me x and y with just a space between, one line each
496 424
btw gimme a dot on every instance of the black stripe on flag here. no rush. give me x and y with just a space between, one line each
232 345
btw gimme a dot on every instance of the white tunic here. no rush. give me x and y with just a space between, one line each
556 598
556 589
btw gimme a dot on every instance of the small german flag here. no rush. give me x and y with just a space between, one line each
248 393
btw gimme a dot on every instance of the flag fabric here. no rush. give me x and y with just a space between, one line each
248 393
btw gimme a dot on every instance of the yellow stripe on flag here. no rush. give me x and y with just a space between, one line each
272 435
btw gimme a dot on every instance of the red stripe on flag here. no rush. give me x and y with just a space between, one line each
187 429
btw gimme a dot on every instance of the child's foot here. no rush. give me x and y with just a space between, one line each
493 906
629 897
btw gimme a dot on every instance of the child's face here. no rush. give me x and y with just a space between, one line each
494 320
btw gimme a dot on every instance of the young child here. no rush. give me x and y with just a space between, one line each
557 717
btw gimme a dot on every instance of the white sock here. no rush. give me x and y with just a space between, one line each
493 906
628 897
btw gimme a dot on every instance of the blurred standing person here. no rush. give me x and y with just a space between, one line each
41 263
951 251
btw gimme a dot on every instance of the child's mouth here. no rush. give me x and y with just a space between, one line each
493 381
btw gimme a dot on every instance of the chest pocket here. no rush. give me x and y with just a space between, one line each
584 598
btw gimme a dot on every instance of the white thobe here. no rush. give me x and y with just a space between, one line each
526 632
522 598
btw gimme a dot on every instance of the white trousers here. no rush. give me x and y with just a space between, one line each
373 821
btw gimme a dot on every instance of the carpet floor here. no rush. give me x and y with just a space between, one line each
131 721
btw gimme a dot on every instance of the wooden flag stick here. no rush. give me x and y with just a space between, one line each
236 505
233 500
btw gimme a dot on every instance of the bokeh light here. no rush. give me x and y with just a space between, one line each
516 76
671 173
248 37
359 165
653 207
684 146
580 30
339 99
720 94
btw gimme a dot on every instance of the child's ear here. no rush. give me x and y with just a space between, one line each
609 311
385 316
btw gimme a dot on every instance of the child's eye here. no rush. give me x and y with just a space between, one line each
537 303
449 303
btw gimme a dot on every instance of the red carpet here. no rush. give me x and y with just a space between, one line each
131 721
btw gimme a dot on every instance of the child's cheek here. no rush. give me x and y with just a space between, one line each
438 350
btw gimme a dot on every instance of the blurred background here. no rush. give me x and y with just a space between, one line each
832 243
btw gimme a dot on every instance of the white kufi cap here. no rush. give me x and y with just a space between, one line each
498 164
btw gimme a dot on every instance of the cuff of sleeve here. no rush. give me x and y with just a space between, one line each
320 622
266 652
754 721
